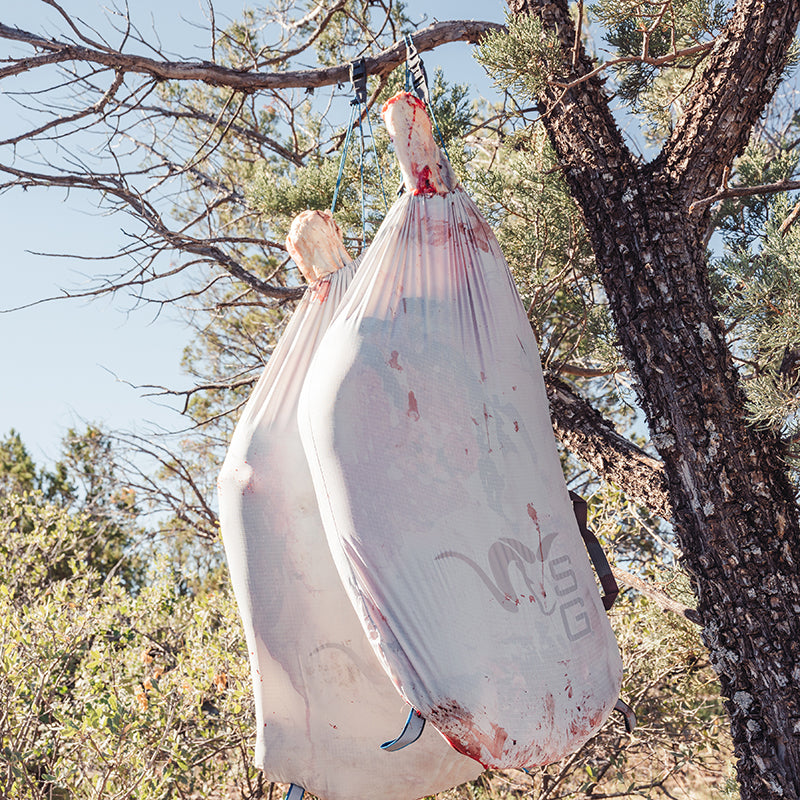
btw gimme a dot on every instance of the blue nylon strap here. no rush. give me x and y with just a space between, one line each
358 77
363 198
378 162
353 112
295 792
412 730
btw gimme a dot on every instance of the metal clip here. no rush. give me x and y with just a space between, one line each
358 77
417 69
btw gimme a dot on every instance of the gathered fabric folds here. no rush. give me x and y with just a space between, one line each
425 421
323 703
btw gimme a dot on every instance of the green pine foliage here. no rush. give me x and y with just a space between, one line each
640 34
524 59
525 197
762 290
757 277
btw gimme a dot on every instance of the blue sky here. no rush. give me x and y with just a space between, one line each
70 362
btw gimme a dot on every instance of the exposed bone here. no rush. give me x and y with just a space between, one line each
315 244
425 168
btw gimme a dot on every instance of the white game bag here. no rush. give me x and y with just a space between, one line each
323 702
425 420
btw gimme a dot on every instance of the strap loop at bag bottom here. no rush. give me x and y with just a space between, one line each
628 715
412 730
295 792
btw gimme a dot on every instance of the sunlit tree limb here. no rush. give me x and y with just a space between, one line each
59 52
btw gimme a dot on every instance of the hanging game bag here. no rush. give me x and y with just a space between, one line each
425 421
323 703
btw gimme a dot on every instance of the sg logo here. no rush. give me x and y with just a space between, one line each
576 621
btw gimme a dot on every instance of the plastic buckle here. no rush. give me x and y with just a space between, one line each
358 77
417 69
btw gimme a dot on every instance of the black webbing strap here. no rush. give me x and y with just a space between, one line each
358 77
607 581
419 78
627 714
596 554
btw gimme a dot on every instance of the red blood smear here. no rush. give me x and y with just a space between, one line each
464 735
486 417
321 290
411 98
535 517
413 411
439 232
424 182
550 708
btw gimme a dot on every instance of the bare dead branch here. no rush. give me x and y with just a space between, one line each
790 220
661 61
594 440
66 17
223 385
240 130
305 44
114 186
656 595
95 108
726 192
433 36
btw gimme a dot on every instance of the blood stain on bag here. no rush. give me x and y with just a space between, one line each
413 410
472 741
438 232
424 185
320 291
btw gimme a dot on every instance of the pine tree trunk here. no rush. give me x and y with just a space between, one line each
733 506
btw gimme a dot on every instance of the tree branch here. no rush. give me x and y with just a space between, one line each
248 133
745 191
114 186
656 595
661 61
584 431
58 52
589 144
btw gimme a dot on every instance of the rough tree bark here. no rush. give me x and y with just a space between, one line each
733 505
